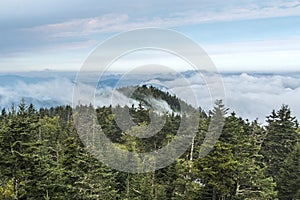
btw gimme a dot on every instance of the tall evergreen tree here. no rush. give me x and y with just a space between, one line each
289 176
252 180
281 137
19 148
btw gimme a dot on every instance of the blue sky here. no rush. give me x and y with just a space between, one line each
238 35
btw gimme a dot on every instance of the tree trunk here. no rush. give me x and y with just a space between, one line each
237 191
153 177
16 189
191 154
127 192
153 185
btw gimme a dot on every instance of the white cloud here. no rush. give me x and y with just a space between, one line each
258 61
65 41
48 92
262 55
81 27
249 95
107 96
198 13
255 96
270 45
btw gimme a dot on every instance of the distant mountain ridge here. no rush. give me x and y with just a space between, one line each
260 91
153 97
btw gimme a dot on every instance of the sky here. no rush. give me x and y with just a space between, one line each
238 35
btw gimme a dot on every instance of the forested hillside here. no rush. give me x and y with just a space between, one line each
42 156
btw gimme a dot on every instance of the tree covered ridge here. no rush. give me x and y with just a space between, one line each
140 92
42 157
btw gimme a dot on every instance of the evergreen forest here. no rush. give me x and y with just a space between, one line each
43 157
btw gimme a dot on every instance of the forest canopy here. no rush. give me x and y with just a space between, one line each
43 157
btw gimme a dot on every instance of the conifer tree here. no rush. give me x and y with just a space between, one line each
289 178
19 149
280 140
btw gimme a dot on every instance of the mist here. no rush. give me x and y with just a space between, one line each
249 95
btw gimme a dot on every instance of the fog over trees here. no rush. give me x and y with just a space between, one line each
43 157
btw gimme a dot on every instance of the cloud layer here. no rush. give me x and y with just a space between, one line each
60 34
199 13
250 95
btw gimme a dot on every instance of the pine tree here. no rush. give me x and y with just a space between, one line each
281 137
289 178
216 123
217 171
19 149
252 180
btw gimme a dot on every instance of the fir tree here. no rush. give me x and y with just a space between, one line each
281 137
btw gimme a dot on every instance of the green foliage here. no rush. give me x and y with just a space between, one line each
281 138
217 170
290 175
6 189
42 156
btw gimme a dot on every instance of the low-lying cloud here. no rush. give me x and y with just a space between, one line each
256 95
43 93
249 95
